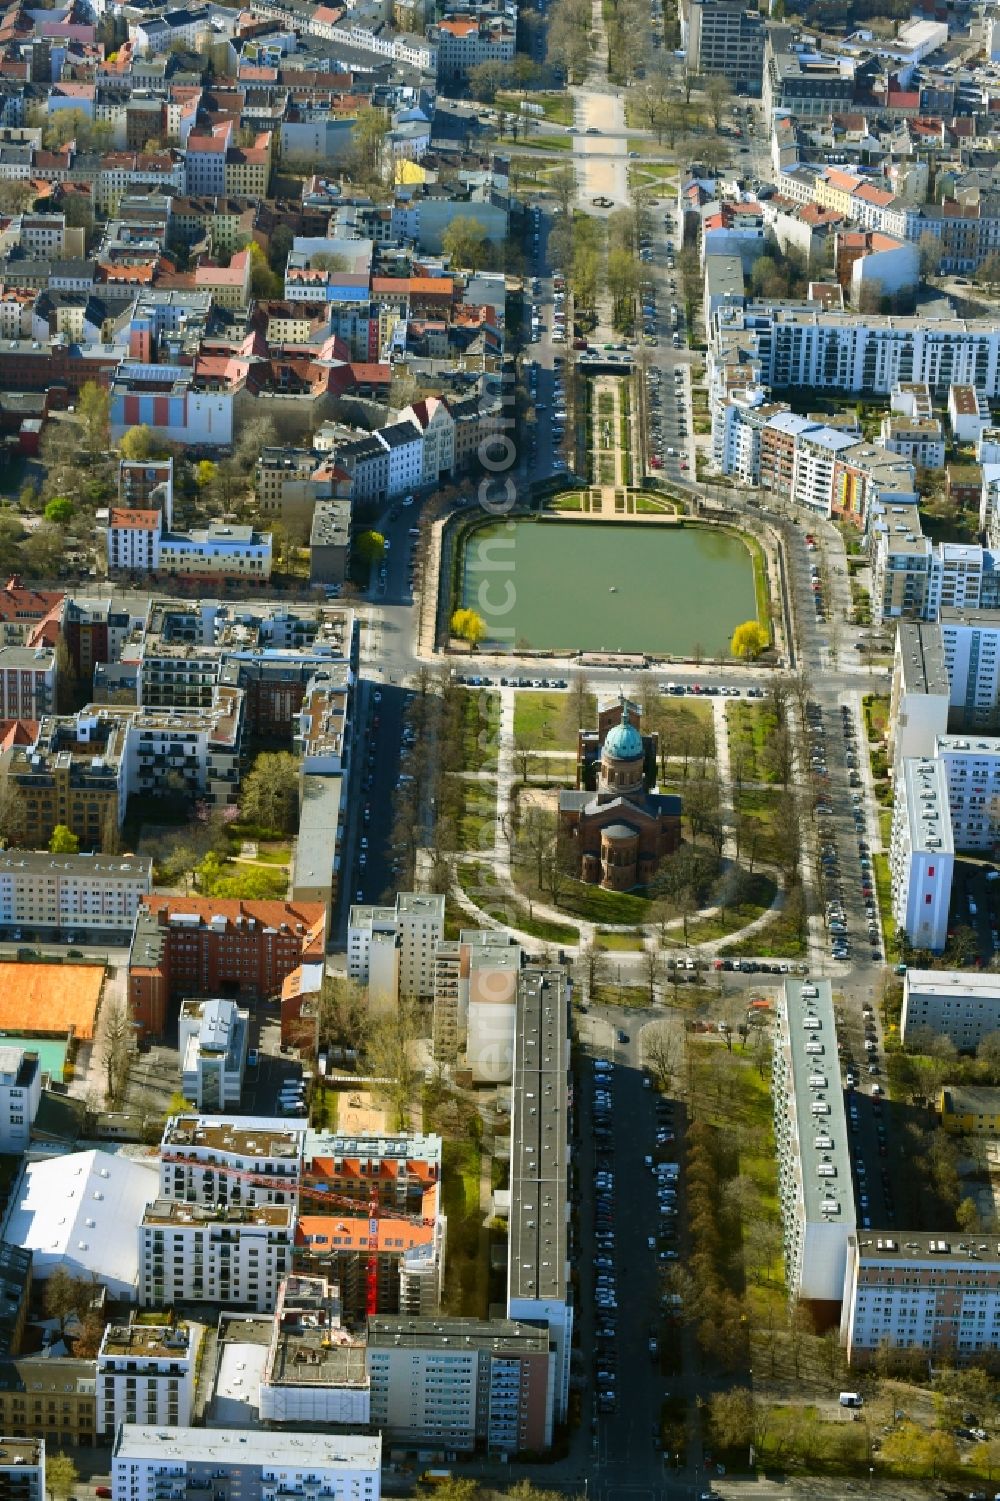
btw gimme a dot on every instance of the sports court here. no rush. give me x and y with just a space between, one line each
50 1000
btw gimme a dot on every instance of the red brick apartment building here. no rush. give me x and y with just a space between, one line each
194 946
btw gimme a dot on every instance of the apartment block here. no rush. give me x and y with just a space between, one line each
814 1162
22 1469
213 1037
462 1383
932 1292
921 852
20 1093
970 642
475 998
972 772
538 1258
386 942
244 1160
48 1398
205 946
148 1463
955 1003
27 681
72 895
370 1220
202 745
901 568
919 699
73 775
726 39
228 1254
145 1373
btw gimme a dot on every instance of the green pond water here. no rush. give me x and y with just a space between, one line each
612 587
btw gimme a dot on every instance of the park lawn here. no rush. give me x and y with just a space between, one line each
615 942
556 108
675 716
777 939
761 804
545 143
466 1271
885 826
478 817
480 886
876 712
273 854
759 897
541 720
480 730
750 727
594 904
883 894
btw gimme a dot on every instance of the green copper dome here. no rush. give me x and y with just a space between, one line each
623 741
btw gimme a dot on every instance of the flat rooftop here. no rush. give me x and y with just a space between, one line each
929 1247
538 1248
252 1136
316 1356
150 1341
501 1336
808 1035
415 1148
167 1212
927 808
20 1451
920 654
241 1447
953 983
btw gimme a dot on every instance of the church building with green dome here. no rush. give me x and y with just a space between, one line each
616 823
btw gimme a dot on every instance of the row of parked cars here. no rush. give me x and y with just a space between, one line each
605 1280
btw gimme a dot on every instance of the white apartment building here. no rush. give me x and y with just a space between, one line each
918 439
73 895
921 853
134 540
972 770
244 1160
955 580
231 1254
213 1048
808 345
968 412
20 1093
203 745
316 1370
970 641
935 1292
22 1469
918 703
405 443
961 1004
148 1463
816 453
145 1373
814 1161
414 926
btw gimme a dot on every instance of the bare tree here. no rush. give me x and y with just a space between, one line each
116 1053
663 1053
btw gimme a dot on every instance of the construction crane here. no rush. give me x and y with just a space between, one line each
375 1209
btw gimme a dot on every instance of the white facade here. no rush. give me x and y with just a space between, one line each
213 1047
814 1164
72 894
134 540
968 413
148 1463
197 1254
22 1468
956 1003
417 921
20 1092
972 769
145 1372
971 644
251 1159
918 705
922 854
937 1293
405 443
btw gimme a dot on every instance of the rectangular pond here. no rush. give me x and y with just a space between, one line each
609 586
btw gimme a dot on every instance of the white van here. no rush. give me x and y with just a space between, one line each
851 1399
